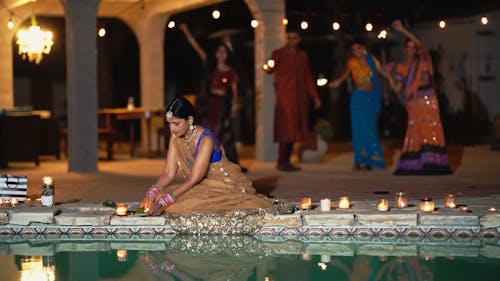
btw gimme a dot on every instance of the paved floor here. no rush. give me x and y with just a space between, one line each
476 174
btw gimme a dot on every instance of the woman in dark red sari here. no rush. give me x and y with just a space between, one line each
222 99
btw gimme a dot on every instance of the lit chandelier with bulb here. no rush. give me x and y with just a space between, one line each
34 42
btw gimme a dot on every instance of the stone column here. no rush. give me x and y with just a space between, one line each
6 64
150 33
81 69
269 35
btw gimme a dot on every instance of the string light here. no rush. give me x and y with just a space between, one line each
442 24
304 25
10 24
484 20
216 14
369 27
101 32
382 34
254 23
284 21
171 24
336 25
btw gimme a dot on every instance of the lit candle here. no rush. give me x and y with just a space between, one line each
401 200
344 202
449 201
383 205
13 201
305 203
27 202
325 205
121 255
492 210
47 198
121 209
427 205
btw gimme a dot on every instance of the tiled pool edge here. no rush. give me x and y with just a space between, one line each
92 221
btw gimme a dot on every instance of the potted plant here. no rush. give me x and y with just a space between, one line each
323 135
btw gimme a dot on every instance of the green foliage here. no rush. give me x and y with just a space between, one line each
324 129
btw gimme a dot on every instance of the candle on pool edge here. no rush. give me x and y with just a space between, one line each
305 203
449 201
121 209
401 200
383 205
427 205
344 202
325 205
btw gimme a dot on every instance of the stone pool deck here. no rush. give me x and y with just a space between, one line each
475 182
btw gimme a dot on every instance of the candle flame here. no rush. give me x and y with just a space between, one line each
47 180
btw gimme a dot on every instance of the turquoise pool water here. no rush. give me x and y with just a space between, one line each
245 258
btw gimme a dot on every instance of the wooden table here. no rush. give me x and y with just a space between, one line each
111 116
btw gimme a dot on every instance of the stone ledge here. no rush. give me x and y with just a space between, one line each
448 220
82 219
27 216
387 219
491 220
293 220
4 218
328 218
137 220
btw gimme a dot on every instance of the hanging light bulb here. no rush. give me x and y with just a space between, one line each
304 25
216 14
369 27
254 23
442 24
484 20
101 32
10 24
171 24
336 25
34 42
284 21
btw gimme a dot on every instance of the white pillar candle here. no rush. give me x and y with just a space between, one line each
325 205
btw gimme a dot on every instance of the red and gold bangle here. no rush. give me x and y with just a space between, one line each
153 191
167 200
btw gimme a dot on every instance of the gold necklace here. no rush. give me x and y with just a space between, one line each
187 140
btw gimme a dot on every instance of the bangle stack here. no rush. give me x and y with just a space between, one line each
153 191
166 200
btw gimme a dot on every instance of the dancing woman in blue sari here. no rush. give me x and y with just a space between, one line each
365 104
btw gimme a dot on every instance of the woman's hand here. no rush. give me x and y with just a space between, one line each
156 209
398 25
159 205
334 84
146 203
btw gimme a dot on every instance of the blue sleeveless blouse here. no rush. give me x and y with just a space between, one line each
216 152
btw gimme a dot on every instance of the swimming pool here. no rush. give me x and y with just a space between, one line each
248 258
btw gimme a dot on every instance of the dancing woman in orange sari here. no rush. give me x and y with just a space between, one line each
424 150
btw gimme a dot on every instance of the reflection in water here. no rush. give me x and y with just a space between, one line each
214 258
37 268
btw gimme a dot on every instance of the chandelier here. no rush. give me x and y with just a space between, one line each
34 42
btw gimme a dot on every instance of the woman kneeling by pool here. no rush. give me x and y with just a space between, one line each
211 182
